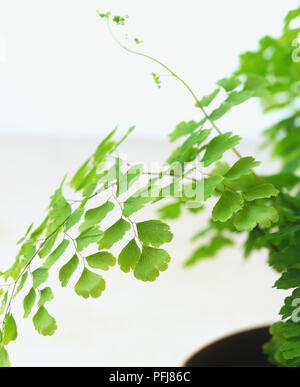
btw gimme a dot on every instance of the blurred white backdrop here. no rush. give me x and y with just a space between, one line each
64 84
61 73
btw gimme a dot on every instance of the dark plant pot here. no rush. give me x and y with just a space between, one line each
243 349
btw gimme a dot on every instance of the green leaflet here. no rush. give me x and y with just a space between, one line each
201 233
262 191
101 260
183 129
209 250
86 176
253 215
291 15
74 218
207 100
87 173
291 350
220 111
4 359
283 349
290 230
289 280
10 332
48 245
68 270
129 256
127 179
29 302
28 251
241 167
228 204
3 303
233 99
285 258
106 146
280 180
218 146
39 276
46 295
229 84
257 84
27 232
137 201
78 179
60 210
290 305
57 253
89 284
170 211
196 138
210 184
21 283
114 234
154 232
40 229
96 215
287 330
88 236
43 322
151 263
238 97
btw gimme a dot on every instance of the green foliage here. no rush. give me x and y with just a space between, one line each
229 203
57 253
102 260
170 211
126 180
29 302
261 191
46 295
154 232
208 99
114 234
138 201
229 84
289 280
4 359
39 276
68 270
43 322
183 129
21 283
90 235
129 256
210 250
151 263
253 215
10 332
89 284
48 245
242 167
218 146
96 215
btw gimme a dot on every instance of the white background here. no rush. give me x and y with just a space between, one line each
63 85
64 76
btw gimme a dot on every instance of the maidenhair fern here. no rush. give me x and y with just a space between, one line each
75 238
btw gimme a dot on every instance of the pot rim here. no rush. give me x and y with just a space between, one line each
227 336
